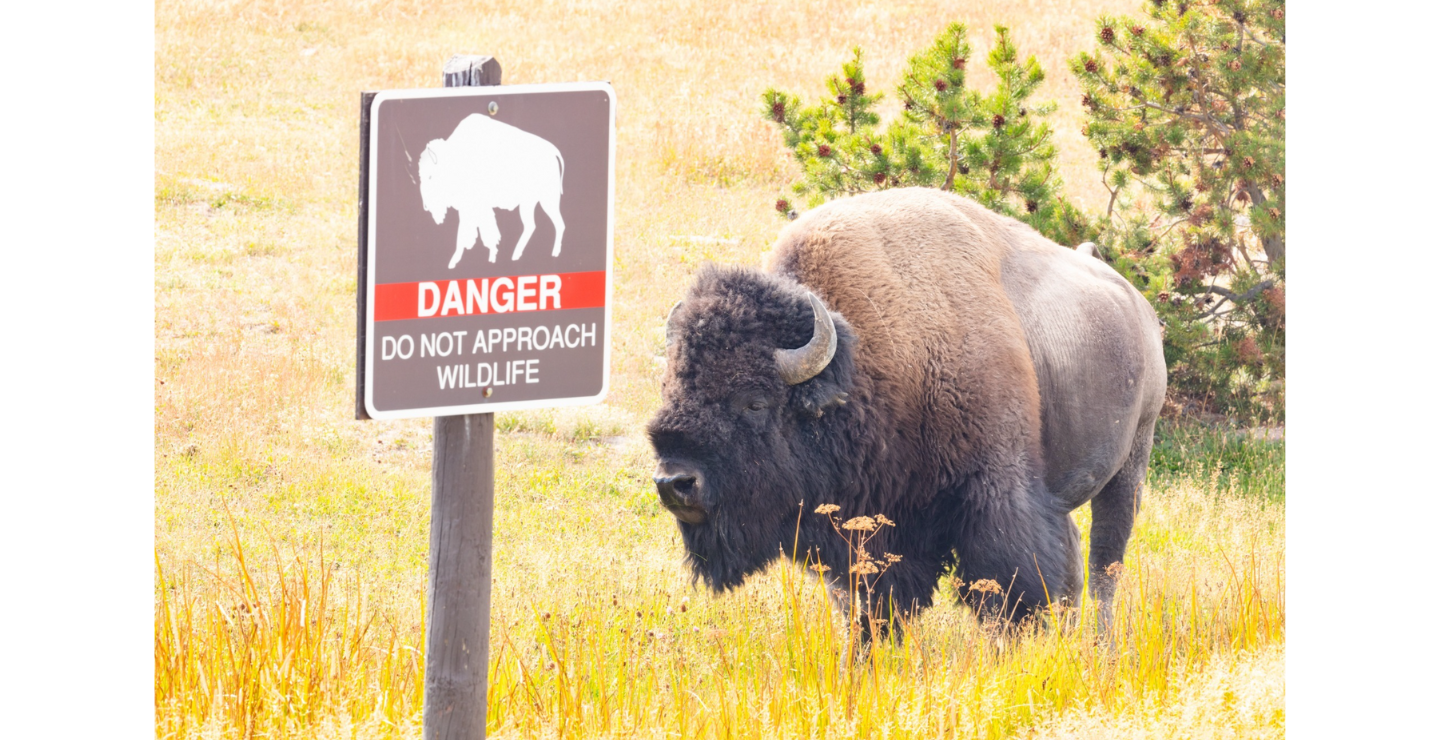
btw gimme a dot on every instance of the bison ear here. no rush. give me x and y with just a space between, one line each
818 406
831 388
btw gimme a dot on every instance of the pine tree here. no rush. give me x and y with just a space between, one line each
1187 112
993 148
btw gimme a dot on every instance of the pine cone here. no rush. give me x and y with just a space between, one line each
858 87
1234 65
1137 30
957 63
1091 66
777 111
823 150
879 178
875 149
964 169
1031 206
998 121
1107 35
941 85
782 205
840 99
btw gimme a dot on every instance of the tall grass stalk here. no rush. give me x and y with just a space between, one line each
277 647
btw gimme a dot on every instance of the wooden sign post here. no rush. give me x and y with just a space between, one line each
484 285
462 517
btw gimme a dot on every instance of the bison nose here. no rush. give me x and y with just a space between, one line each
676 490
680 493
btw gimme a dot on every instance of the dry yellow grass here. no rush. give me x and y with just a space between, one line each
255 180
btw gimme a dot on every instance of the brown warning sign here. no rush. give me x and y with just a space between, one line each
489 240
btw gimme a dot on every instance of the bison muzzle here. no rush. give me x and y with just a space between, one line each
911 354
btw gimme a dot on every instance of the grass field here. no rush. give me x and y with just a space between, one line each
290 540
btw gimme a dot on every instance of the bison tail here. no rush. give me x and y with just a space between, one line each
561 160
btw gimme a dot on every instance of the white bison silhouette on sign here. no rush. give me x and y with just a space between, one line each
487 165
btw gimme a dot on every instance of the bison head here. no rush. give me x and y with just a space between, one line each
755 362
431 196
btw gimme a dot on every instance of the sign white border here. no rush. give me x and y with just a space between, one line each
371 187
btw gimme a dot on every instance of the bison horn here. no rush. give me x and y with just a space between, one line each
803 363
671 331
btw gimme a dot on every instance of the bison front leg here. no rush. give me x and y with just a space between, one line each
464 238
899 595
1017 555
489 231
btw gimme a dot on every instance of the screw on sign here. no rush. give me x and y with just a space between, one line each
527 173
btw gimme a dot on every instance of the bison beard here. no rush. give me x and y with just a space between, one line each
960 331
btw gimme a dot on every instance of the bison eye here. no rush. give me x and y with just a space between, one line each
750 404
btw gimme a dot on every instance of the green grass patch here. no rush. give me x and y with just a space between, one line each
1224 456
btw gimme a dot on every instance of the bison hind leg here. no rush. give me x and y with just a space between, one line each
527 218
550 203
1112 517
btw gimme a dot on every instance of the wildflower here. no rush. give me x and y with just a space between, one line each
892 558
819 567
985 586
864 568
884 520
826 509
860 522
1115 569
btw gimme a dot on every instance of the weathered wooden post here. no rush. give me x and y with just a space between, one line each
455 332
462 515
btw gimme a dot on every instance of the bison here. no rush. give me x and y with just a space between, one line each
485 165
912 354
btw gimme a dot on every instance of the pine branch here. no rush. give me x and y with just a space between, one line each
954 161
1233 297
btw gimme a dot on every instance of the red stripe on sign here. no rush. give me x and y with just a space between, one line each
494 295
